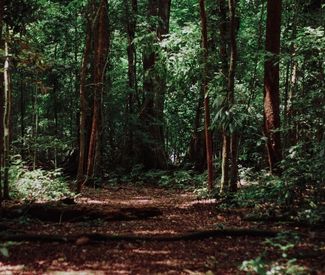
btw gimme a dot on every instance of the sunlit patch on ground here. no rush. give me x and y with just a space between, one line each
154 232
10 269
79 272
198 202
151 252
91 201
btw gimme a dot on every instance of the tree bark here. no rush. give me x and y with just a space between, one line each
6 121
83 112
131 13
224 184
152 152
225 155
208 136
1 98
231 93
271 85
85 118
101 45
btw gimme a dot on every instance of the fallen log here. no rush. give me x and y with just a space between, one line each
94 237
76 213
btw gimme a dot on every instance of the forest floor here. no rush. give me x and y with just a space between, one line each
143 230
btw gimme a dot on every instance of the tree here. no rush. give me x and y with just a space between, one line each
208 136
101 47
7 117
228 28
1 98
152 152
224 69
231 91
83 127
271 85
131 9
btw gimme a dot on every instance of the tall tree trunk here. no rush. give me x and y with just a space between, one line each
225 155
231 92
131 13
152 152
161 78
208 136
1 98
7 116
271 85
101 45
83 132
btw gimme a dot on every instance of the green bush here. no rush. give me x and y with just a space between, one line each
36 184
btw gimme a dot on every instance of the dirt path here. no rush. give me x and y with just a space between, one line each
179 212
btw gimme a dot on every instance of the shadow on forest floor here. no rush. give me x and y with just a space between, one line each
142 230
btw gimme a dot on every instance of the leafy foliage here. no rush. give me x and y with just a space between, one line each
36 184
284 265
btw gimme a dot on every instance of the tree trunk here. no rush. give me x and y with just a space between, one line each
7 116
101 45
224 184
152 152
83 129
271 85
208 136
225 164
231 92
1 98
131 13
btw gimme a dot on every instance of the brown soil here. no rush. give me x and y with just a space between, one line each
177 212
